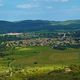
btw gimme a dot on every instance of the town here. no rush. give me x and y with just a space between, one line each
56 40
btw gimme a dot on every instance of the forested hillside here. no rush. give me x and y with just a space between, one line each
38 25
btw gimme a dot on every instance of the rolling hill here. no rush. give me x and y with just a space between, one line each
37 25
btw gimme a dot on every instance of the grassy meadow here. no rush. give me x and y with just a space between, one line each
39 56
39 63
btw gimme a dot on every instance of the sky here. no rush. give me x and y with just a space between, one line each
58 10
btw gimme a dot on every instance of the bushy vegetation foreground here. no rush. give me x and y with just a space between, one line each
54 72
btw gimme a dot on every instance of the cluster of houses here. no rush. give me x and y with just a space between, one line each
44 42
34 39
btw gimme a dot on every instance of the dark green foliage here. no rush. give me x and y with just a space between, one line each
35 62
75 68
9 38
37 25
60 47
3 49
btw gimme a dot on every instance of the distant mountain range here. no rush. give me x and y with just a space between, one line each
38 25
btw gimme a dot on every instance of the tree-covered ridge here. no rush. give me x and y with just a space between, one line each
38 25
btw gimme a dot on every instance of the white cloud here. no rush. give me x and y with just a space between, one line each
49 7
27 6
58 0
34 0
1 4
64 0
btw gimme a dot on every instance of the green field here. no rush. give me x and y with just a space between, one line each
40 63
39 56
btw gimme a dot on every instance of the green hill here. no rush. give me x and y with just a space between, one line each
38 25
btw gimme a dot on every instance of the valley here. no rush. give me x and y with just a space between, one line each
42 54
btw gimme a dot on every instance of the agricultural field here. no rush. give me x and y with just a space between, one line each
40 63
35 56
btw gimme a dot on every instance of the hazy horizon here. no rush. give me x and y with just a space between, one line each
38 19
